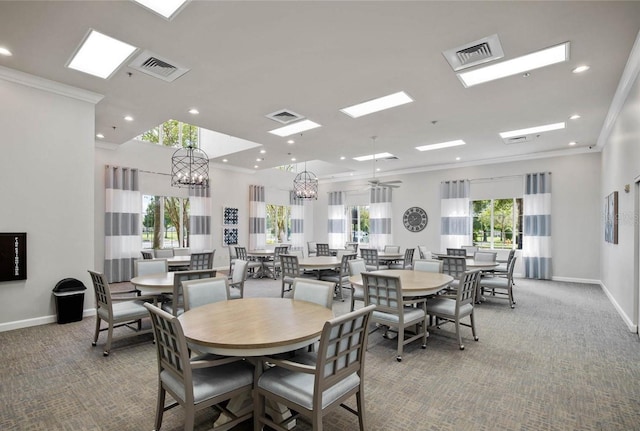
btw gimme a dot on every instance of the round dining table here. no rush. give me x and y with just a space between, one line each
319 262
161 282
178 261
263 256
414 283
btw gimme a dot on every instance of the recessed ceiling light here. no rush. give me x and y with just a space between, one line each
224 160
194 111
100 55
441 145
291 141
530 130
581 69
300 126
379 104
128 118
373 156
572 143
342 157
535 60
574 117
263 151
165 8
5 51
100 136
293 159
377 169
457 158
255 166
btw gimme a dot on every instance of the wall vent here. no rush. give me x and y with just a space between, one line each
158 67
474 53
284 116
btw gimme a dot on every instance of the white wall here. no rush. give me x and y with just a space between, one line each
46 171
576 207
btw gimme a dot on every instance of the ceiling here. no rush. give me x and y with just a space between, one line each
249 59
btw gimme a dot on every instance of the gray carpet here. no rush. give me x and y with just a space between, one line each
561 360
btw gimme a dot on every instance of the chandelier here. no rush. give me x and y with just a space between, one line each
190 168
305 184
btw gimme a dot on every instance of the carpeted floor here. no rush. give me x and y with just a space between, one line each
561 360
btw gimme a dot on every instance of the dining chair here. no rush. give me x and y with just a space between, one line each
232 258
456 252
290 271
203 260
322 249
274 264
424 252
393 312
195 383
311 383
316 291
163 253
428 265
485 256
174 303
204 291
356 267
352 246
500 284
370 256
240 274
147 254
181 251
502 267
341 276
117 309
455 266
406 262
149 266
453 308
241 253
469 249
311 248
391 249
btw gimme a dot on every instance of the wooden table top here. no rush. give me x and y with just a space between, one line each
319 262
179 260
414 283
390 256
260 253
161 282
254 326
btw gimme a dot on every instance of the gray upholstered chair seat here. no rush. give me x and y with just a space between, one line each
376 267
298 387
211 382
447 306
493 282
168 307
410 314
235 293
126 310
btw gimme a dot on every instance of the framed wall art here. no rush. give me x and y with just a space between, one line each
13 256
229 236
229 216
611 218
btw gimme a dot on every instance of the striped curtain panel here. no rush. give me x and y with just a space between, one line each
337 227
380 218
123 207
536 242
257 218
297 221
455 214
200 219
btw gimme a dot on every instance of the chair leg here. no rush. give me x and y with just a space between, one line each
473 327
360 405
400 343
189 417
97 333
159 406
109 338
258 409
457 322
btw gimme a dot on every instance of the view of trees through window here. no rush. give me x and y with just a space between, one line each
497 223
165 222
278 223
358 224
173 133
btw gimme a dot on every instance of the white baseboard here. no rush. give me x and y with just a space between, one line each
576 280
632 328
36 321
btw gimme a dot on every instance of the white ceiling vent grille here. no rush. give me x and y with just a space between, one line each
520 139
284 116
157 66
474 53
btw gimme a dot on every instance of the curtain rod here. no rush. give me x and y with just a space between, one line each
498 178
151 172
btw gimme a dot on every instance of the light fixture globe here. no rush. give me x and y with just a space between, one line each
190 168
305 185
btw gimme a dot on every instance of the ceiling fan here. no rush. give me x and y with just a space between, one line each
374 182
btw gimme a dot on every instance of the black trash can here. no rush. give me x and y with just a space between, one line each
69 294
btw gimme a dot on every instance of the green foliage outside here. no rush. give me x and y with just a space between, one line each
502 223
173 133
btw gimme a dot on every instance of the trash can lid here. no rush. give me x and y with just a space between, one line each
69 285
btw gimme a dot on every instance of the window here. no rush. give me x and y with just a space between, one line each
497 223
173 133
165 222
358 228
278 224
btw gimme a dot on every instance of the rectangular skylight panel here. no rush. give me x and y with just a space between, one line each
441 145
100 55
300 126
372 156
379 104
167 8
535 60
532 130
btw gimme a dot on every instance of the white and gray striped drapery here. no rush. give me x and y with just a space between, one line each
380 217
257 218
337 225
200 219
536 243
455 214
123 207
297 221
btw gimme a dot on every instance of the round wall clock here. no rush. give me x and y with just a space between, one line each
415 219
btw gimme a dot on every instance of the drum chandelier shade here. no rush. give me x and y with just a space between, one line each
305 185
190 168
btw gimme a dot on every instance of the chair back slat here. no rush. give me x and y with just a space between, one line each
202 260
322 249
456 252
383 291
290 265
370 256
455 266
102 290
467 288
241 252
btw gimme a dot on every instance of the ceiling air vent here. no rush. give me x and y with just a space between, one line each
284 116
520 139
474 53
157 66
